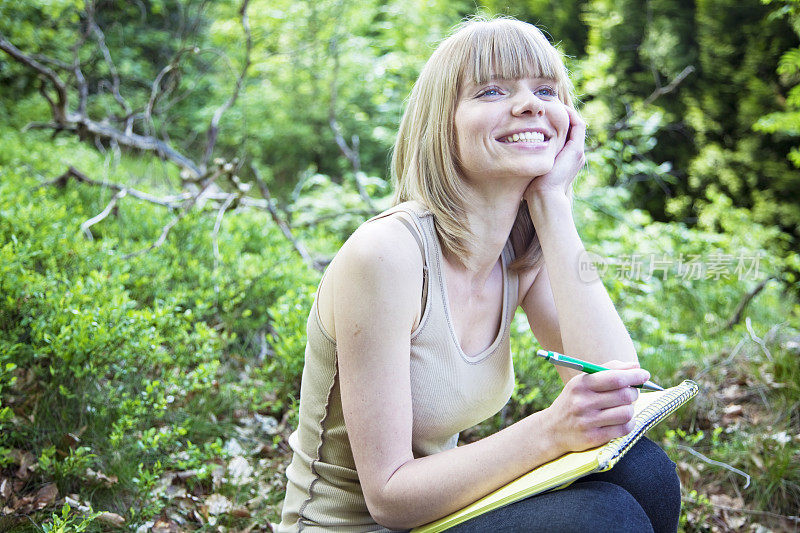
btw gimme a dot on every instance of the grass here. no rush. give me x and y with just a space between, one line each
204 448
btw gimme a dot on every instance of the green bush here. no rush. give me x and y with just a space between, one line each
132 366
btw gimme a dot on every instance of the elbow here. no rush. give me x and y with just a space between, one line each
392 511
390 515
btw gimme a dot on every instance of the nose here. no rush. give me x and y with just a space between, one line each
527 103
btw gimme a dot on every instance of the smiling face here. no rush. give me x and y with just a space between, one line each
509 128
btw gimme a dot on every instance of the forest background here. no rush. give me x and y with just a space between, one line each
175 174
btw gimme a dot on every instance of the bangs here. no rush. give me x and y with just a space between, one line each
509 49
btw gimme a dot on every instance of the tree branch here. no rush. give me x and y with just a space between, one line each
284 227
795 519
99 131
350 152
59 109
737 315
213 128
185 211
101 43
72 173
95 219
658 92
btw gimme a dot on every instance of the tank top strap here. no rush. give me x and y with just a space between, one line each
418 221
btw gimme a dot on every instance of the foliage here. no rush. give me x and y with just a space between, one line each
112 362
637 49
786 123
164 384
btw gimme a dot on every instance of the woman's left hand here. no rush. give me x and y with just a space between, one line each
567 163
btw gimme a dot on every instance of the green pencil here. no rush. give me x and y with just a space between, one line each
559 359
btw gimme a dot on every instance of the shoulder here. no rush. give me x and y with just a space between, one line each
378 268
385 244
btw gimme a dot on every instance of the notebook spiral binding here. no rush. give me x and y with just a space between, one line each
651 415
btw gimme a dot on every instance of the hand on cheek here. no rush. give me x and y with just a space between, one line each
568 162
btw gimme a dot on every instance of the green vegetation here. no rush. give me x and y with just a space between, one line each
151 345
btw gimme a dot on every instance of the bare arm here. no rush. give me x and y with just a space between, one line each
574 316
376 285
569 315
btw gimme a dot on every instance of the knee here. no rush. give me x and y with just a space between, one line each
660 466
604 507
644 467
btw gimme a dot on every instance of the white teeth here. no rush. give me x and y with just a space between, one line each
525 136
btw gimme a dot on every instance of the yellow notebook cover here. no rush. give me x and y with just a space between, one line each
650 408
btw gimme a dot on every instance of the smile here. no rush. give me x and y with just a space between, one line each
525 136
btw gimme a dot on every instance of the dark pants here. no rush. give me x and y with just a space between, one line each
641 493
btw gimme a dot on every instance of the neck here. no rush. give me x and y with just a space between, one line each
490 218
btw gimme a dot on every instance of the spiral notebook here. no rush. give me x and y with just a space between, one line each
650 408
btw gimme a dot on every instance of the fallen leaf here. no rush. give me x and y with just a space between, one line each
240 471
175 491
241 512
26 462
726 501
74 502
731 413
218 504
100 477
232 447
165 526
176 517
112 519
757 461
733 410
70 441
217 475
5 488
186 474
46 496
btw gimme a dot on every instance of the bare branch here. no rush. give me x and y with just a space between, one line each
362 213
83 88
761 342
349 151
87 127
658 92
53 61
59 108
756 512
170 201
139 142
671 86
218 225
156 91
95 219
287 231
101 42
213 128
185 211
737 315
717 463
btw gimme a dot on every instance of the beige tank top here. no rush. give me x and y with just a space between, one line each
450 390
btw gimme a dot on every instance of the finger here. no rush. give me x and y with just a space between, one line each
601 435
615 416
615 398
577 126
616 379
621 365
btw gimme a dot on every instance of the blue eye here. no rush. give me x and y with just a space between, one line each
490 91
546 91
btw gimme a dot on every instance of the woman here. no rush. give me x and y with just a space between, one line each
408 336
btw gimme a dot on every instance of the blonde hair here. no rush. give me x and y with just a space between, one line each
425 162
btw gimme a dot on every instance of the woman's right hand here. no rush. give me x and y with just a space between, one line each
592 409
